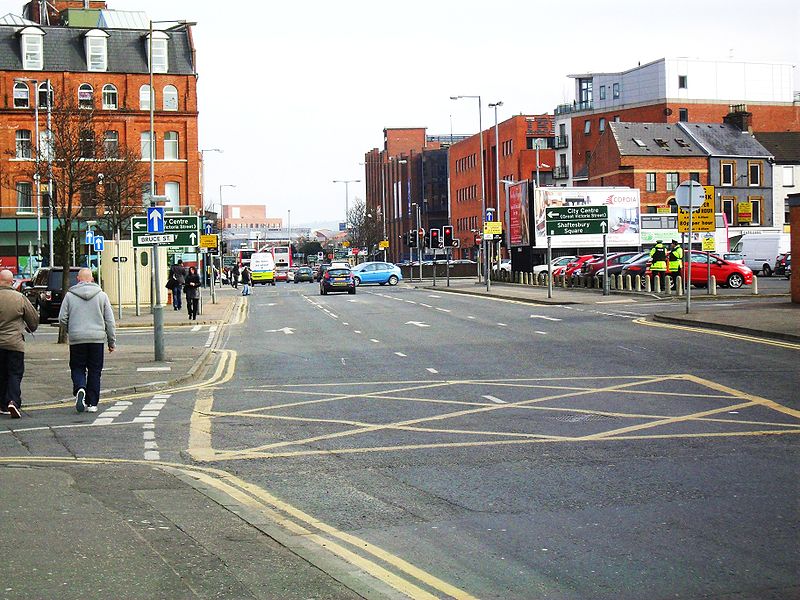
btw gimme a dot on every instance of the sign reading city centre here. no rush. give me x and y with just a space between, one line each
577 220
178 230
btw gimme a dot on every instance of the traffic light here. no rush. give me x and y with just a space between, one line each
405 239
456 243
434 235
412 239
427 240
478 239
447 236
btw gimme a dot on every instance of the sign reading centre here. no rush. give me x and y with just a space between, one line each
703 219
622 223
176 230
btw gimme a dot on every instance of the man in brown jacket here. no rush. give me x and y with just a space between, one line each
16 316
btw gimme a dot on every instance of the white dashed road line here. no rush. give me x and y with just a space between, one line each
543 317
431 370
400 354
503 324
146 416
494 399
374 341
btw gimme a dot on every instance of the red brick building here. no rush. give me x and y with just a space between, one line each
517 138
85 54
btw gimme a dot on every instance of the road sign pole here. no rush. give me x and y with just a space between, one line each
448 256
158 310
117 238
606 285
136 277
549 266
689 266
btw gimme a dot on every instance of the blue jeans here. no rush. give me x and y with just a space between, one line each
12 368
176 296
86 366
246 289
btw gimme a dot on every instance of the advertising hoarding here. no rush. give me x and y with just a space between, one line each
518 214
624 225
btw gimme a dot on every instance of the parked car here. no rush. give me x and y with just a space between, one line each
20 284
637 266
783 264
761 249
617 268
734 257
337 280
561 261
281 274
463 261
725 272
573 267
377 272
596 265
505 265
304 274
45 291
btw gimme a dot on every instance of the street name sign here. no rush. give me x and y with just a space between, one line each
703 219
178 230
208 240
577 220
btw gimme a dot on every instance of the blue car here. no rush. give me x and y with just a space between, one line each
377 272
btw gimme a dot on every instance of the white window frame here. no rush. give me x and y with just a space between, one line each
96 50
173 199
750 165
757 202
722 180
144 142
109 91
170 98
615 91
43 89
587 126
109 136
601 126
647 178
32 48
145 97
85 88
21 208
18 87
46 149
675 181
23 144
159 62
171 145
788 175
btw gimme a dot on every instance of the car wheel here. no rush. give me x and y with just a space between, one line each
766 271
735 281
357 280
353 291
43 316
393 280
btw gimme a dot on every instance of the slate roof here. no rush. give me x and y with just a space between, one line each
721 139
673 140
64 50
784 145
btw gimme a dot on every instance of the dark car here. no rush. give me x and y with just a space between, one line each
637 267
337 280
595 266
44 291
783 265
321 271
617 268
304 274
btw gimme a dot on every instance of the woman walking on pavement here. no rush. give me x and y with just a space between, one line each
246 281
192 287
235 277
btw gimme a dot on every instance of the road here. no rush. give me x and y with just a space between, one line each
453 446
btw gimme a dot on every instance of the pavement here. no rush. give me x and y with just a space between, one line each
771 316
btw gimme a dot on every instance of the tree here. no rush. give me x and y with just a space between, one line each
308 247
363 228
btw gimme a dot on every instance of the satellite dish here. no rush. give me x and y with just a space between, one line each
668 111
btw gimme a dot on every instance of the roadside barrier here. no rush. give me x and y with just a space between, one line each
755 285
679 286
713 285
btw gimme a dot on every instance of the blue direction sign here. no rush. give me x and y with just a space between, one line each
208 228
89 237
155 219
489 214
99 243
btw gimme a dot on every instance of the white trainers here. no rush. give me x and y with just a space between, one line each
91 409
80 400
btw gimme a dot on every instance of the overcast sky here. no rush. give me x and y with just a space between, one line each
296 92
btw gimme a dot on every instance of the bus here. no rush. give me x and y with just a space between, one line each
282 256
243 256
262 266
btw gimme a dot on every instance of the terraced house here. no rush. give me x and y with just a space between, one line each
57 52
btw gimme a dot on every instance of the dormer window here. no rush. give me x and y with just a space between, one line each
97 50
32 48
159 61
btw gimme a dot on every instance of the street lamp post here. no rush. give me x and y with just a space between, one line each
203 214
346 183
221 206
506 183
483 184
495 105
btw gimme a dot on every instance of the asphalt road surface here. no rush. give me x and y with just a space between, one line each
452 446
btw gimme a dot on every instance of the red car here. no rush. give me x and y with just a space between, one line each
574 265
732 274
595 266
281 274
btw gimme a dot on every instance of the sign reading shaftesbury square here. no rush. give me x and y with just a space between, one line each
178 230
577 220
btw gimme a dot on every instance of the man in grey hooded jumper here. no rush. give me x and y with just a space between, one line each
87 314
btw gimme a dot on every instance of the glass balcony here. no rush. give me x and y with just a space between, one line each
561 141
561 172
563 109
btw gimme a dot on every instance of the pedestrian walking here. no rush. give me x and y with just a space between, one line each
235 277
192 293
178 275
675 258
247 280
17 316
87 315
658 265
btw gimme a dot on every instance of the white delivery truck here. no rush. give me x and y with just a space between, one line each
760 250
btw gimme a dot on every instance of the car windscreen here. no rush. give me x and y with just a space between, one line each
339 272
55 279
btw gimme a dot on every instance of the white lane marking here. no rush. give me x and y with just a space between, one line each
143 419
149 426
123 403
410 301
494 399
149 369
103 421
149 413
543 317
356 331
433 296
374 341
502 325
213 328
470 317
345 324
425 305
541 332
443 309
352 300
149 435
151 445
344 362
196 328
623 301
401 354
431 370
417 323
152 455
111 413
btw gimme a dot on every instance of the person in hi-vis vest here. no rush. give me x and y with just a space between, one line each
675 257
658 264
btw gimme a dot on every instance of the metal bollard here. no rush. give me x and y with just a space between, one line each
563 281
532 278
657 284
713 285
648 286
612 283
679 286
596 282
755 285
620 282
628 283
668 286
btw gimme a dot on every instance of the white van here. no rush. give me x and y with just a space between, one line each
760 250
262 264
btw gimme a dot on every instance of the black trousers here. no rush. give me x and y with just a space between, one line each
12 368
86 367
192 305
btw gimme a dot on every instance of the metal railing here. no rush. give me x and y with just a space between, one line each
561 141
563 109
561 172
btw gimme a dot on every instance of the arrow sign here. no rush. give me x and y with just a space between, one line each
137 225
577 220
99 243
89 237
193 238
286 330
417 323
155 219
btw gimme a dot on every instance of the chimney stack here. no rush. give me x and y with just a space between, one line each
739 117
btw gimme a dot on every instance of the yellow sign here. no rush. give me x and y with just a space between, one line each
208 241
663 210
492 228
744 212
346 244
383 244
703 218
708 244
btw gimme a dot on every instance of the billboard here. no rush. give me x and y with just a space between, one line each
518 214
624 225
